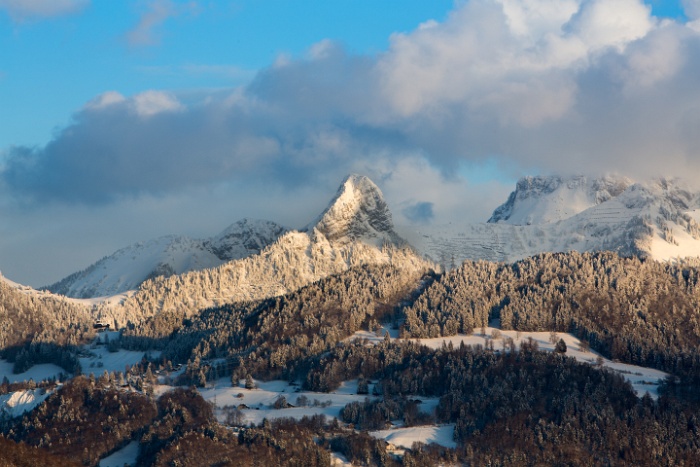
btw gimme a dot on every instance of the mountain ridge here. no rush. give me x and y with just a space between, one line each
655 219
355 229
128 267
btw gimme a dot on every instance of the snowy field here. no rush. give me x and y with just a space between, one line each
99 359
16 403
259 402
260 406
125 456
405 437
37 372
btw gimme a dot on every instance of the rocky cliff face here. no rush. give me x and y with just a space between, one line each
358 212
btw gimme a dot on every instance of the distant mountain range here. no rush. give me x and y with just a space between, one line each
654 219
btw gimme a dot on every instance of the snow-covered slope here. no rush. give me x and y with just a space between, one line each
17 403
244 238
547 214
541 200
127 268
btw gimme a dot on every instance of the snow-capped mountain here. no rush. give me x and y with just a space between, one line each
257 259
357 212
654 219
127 268
541 200
355 229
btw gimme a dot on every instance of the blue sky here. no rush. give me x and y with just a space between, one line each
125 120
51 66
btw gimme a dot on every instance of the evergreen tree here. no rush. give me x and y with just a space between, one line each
560 347
249 383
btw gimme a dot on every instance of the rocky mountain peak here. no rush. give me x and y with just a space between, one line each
358 211
546 199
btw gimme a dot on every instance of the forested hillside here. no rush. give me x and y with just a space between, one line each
295 260
273 337
639 311
87 419
511 405
515 408
41 328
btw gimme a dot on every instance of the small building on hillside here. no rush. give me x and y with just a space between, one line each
100 326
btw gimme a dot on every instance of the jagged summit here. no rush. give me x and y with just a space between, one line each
546 199
357 212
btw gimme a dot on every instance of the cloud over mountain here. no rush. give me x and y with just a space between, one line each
566 85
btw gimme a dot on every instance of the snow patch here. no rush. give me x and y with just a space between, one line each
17 403
405 437
97 358
125 456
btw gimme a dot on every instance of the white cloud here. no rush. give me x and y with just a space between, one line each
546 85
610 23
691 9
21 10
321 49
650 62
150 103
105 100
534 19
516 60
144 104
146 31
